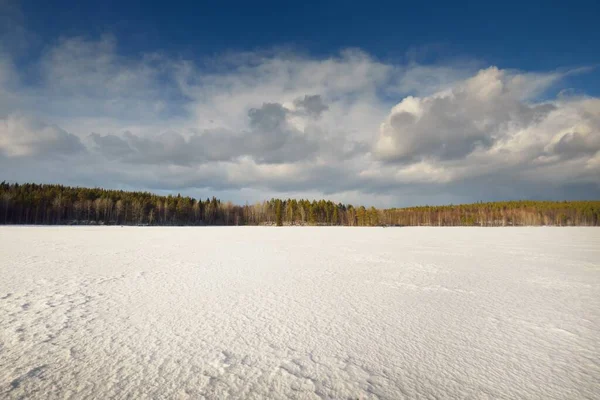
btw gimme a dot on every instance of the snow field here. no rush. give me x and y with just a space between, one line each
256 312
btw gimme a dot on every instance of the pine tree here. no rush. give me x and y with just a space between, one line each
55 204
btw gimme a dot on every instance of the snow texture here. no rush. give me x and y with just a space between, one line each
301 313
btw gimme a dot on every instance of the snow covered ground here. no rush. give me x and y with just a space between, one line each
250 312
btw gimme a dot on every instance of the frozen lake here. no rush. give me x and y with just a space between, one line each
250 312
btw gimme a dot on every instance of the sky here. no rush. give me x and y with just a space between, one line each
378 103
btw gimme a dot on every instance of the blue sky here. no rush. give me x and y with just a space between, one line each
511 34
377 102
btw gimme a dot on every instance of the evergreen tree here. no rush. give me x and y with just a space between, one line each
56 204
278 213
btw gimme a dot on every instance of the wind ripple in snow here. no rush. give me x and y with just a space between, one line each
299 313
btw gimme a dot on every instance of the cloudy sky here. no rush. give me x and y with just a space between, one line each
385 107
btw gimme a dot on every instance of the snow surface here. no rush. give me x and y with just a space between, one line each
250 312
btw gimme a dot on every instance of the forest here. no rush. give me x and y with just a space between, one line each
44 204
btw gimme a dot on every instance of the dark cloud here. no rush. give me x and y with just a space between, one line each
111 146
313 106
574 144
270 140
271 117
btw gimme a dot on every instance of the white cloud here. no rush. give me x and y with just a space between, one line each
489 124
278 122
474 114
21 137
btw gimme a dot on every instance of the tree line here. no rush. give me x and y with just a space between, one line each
57 204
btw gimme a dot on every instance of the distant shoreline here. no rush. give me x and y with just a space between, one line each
290 226
42 204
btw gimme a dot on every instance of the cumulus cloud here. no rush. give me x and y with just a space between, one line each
473 115
348 126
490 124
311 105
269 139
